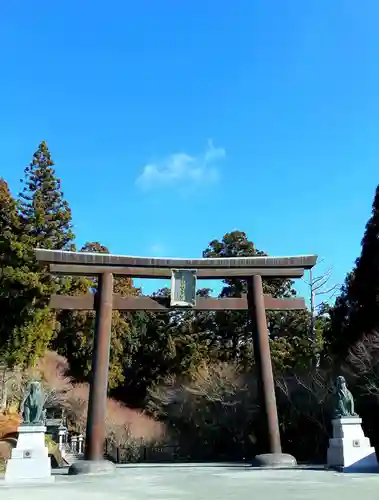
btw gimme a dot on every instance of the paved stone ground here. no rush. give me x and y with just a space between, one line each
198 482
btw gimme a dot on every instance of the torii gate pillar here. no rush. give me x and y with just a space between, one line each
97 403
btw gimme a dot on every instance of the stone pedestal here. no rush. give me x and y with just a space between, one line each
349 450
30 461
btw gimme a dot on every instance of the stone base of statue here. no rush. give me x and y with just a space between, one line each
30 462
349 449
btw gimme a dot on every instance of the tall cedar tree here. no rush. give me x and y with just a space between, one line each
20 288
46 216
357 309
9 226
45 219
9 261
288 329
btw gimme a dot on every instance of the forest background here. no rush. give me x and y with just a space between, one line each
179 377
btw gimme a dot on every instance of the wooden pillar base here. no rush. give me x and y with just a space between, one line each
274 461
91 467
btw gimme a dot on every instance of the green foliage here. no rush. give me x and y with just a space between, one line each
150 354
41 218
22 291
289 330
45 215
54 452
356 312
165 344
236 244
74 339
11 253
30 341
10 248
178 343
195 370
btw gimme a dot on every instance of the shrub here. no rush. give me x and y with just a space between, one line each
76 405
51 369
216 408
9 424
216 414
5 450
305 403
6 446
122 423
11 388
54 452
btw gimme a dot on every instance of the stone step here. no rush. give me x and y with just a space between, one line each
73 457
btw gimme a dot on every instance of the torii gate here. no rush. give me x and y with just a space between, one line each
106 266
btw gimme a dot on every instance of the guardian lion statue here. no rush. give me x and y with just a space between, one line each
344 402
32 406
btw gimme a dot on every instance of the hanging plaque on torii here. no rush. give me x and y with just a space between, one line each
183 288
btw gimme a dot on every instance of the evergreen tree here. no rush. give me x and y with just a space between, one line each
23 326
287 328
41 218
46 216
45 220
357 309
339 318
9 260
75 337
9 226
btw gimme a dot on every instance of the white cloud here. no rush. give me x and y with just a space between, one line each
182 168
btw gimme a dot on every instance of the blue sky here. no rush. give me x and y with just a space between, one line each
171 123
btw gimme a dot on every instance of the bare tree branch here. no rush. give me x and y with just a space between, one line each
330 290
